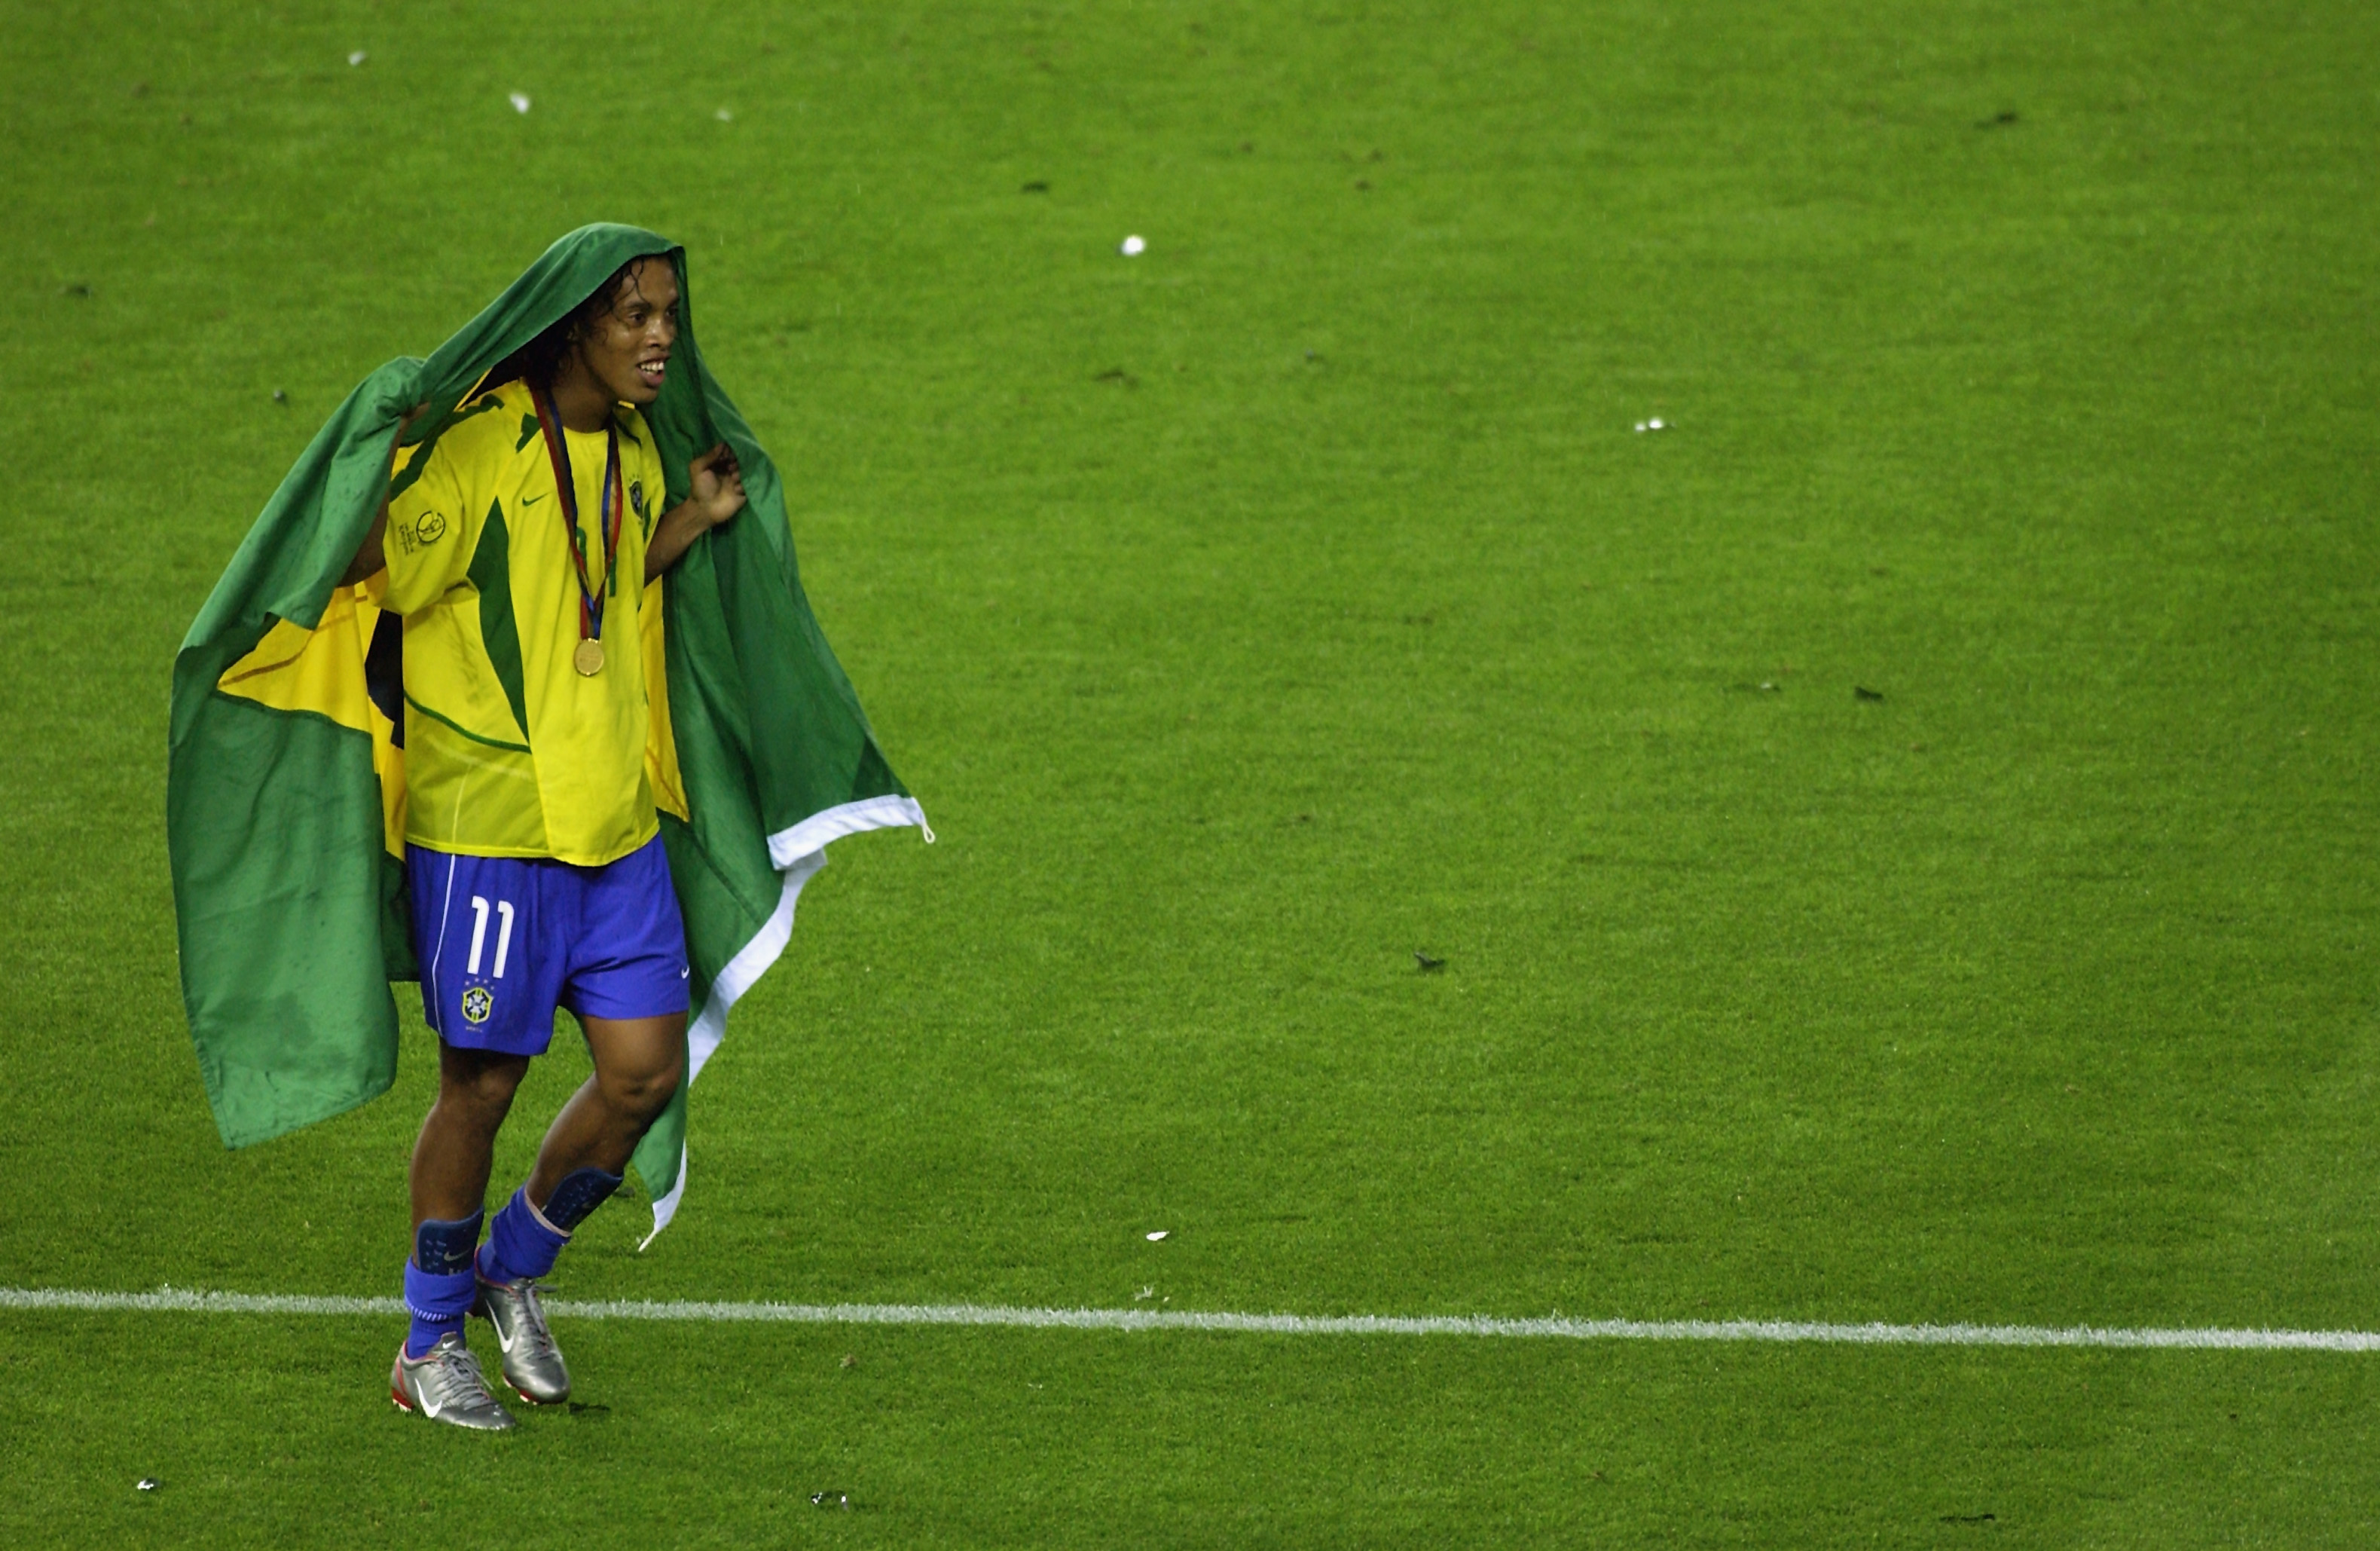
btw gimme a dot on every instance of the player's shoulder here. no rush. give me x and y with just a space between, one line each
634 428
641 456
491 427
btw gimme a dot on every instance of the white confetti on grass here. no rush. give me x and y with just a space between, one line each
358 58
1132 248
520 101
724 116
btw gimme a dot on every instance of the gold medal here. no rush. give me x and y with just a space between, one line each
589 659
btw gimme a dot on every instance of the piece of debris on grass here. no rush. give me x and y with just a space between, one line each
1862 692
1429 966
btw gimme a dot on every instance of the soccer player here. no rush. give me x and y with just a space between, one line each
521 557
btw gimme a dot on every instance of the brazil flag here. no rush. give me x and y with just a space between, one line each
284 807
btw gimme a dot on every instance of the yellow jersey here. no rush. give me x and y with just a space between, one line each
509 750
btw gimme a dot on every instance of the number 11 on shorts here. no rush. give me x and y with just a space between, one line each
480 935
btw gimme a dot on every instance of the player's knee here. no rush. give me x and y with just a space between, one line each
483 1092
644 1093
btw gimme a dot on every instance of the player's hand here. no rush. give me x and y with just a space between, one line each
714 493
715 486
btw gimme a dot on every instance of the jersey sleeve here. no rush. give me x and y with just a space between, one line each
428 541
648 498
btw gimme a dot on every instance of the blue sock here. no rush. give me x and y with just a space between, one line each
439 1285
523 1241
518 1245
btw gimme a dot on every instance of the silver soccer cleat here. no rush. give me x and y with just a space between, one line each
533 1363
446 1385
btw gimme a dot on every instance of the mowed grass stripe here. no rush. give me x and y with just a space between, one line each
188 1300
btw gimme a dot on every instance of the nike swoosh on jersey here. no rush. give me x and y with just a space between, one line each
531 500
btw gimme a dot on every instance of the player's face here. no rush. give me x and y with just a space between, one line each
628 349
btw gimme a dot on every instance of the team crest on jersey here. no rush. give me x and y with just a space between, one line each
636 497
478 1004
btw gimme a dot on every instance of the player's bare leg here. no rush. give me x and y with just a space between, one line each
433 1373
457 1145
639 1064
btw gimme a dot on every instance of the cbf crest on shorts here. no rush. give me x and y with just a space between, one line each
479 1005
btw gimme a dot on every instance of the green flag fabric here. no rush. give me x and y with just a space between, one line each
284 785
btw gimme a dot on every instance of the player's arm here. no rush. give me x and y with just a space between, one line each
714 493
370 558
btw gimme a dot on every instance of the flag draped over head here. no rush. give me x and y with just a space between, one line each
285 792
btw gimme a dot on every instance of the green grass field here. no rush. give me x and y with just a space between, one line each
1247 616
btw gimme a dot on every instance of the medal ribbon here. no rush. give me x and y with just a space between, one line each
590 597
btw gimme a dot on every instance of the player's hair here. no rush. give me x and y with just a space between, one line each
536 361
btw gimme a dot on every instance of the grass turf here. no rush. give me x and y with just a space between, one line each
1254 612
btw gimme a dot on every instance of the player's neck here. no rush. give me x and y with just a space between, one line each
581 402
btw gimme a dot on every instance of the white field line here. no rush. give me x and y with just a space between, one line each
183 1301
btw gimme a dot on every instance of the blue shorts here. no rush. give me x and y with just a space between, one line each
503 940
